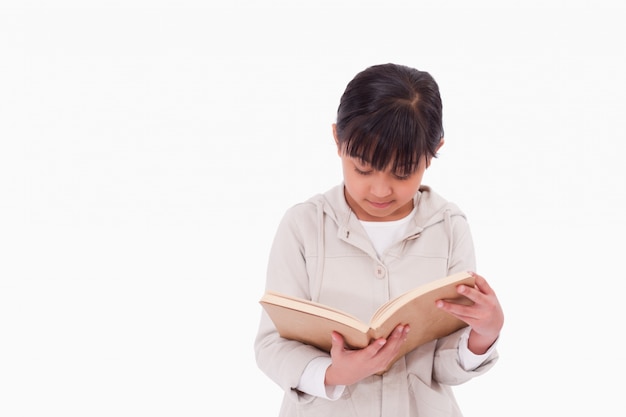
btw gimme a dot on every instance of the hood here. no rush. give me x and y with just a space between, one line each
432 208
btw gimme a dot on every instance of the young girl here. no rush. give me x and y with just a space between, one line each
376 235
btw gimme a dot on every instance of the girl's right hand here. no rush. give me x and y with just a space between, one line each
350 366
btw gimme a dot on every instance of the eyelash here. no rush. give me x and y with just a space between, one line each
398 177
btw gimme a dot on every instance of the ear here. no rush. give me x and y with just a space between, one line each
336 138
441 142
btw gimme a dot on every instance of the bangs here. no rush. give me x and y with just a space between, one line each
391 137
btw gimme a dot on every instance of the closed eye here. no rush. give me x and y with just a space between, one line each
403 177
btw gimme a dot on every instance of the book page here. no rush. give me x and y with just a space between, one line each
313 308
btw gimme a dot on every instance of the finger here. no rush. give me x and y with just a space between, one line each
460 311
469 316
375 346
401 332
482 285
472 293
397 338
393 341
337 343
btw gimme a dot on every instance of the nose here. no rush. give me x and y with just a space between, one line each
380 186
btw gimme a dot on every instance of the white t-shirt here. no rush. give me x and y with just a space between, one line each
383 234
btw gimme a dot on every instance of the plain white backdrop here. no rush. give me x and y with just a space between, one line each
148 150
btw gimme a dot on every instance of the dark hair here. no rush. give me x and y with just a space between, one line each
390 114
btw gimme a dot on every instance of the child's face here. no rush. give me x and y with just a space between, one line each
379 195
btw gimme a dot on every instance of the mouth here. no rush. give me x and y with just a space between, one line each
380 205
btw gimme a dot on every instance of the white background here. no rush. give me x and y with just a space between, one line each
149 148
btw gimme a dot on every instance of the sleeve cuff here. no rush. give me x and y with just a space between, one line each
312 380
468 360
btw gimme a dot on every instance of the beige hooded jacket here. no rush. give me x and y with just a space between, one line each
321 252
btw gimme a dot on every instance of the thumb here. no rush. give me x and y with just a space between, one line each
338 343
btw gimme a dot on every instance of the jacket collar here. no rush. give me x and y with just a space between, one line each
431 208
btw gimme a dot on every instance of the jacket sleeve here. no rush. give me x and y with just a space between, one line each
446 367
283 360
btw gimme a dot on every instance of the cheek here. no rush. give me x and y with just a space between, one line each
408 190
405 193
354 184
352 178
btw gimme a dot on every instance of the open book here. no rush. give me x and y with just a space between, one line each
312 323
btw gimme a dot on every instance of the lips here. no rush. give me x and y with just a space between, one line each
380 205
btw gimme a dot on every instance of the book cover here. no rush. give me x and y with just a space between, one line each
312 323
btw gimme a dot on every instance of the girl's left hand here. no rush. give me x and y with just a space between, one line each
485 316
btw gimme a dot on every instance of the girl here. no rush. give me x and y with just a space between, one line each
374 236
